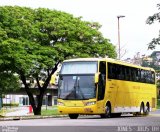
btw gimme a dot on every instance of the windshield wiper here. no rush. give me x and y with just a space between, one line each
79 89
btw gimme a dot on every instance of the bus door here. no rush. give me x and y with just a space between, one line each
101 86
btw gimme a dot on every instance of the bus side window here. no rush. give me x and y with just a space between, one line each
110 71
113 71
117 75
148 76
142 79
123 72
139 75
120 72
127 74
153 78
132 74
143 76
102 70
102 80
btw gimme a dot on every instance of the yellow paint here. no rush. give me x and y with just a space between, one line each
124 94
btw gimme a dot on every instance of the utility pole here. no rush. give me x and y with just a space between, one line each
119 46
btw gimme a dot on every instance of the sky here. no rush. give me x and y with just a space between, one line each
135 34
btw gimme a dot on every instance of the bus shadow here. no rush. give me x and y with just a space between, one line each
98 117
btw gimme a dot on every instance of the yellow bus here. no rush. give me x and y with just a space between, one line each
104 86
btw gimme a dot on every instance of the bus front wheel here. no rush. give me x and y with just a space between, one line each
107 111
73 116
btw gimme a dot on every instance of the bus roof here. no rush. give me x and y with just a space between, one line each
111 61
84 59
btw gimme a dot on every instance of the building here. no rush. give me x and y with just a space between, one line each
21 98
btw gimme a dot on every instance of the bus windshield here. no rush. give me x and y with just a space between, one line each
76 87
79 67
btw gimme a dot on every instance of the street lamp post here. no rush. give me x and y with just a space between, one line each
47 94
119 46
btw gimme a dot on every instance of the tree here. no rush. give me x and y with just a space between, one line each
151 20
8 82
35 41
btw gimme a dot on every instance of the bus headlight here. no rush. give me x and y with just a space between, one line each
60 103
90 103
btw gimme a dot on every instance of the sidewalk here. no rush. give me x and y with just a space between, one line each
18 111
22 113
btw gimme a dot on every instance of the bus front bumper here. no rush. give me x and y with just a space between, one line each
77 110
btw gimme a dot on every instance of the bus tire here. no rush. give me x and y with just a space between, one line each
73 116
142 111
147 109
107 111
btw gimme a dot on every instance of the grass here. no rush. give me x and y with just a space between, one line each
158 104
50 111
2 112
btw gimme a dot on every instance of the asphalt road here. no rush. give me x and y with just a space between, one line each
86 124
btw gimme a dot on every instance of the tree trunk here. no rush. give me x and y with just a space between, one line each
39 102
37 107
37 111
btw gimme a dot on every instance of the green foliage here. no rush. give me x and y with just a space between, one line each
2 112
152 61
8 82
49 112
158 103
158 83
151 20
34 41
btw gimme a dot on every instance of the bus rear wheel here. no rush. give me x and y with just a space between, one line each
146 109
107 111
73 116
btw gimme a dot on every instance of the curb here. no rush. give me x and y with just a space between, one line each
155 115
29 117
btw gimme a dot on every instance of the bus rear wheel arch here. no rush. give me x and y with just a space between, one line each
73 116
142 109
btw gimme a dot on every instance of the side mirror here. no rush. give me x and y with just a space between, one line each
96 77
